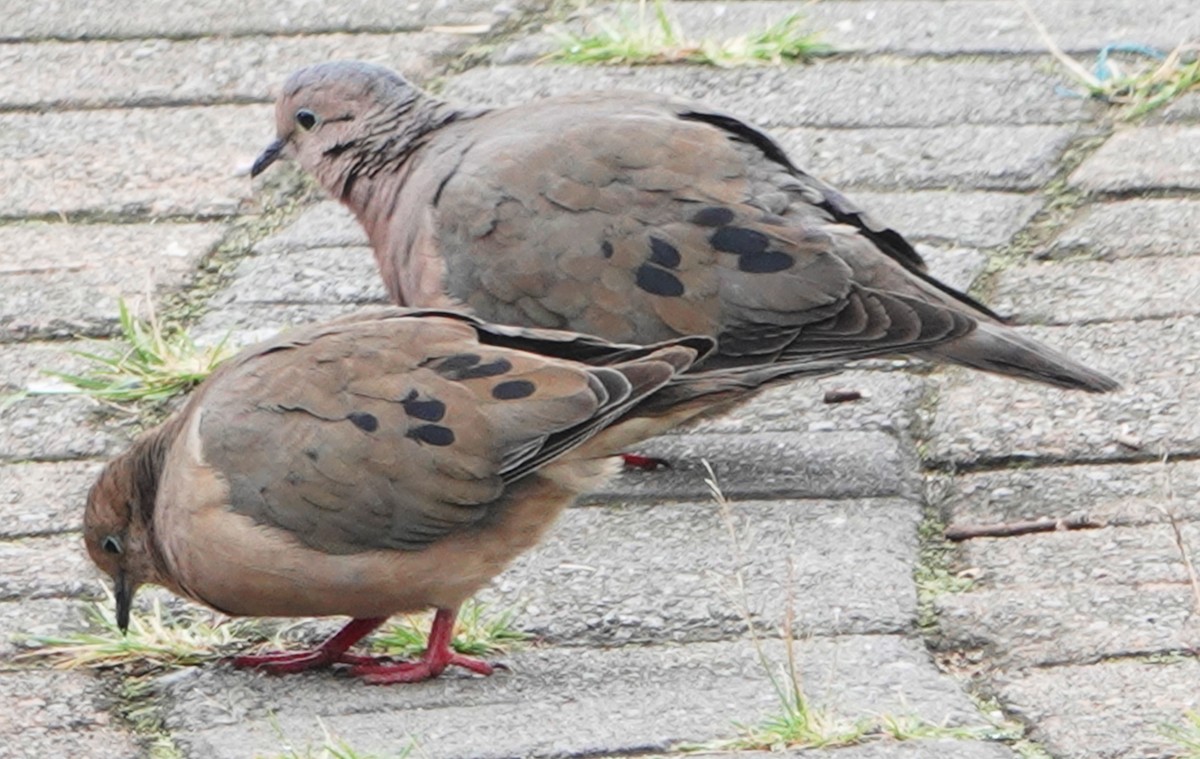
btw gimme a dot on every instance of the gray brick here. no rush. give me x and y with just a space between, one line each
840 93
593 702
59 714
51 427
316 275
1119 494
1114 709
25 619
66 279
1133 228
163 18
1133 556
957 267
1185 109
1023 627
981 417
959 157
243 324
327 224
45 568
1144 158
216 69
40 499
1090 291
952 27
770 465
156 161
972 219
912 749
843 567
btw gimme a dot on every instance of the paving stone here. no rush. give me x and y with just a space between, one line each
952 27
1143 158
889 401
584 702
972 219
244 324
163 18
316 275
46 567
50 427
20 620
1143 555
870 93
1024 627
327 224
911 749
41 499
66 279
161 71
146 161
842 566
981 418
1133 228
1095 291
59 714
1182 110
1119 494
1115 709
957 267
962 157
770 465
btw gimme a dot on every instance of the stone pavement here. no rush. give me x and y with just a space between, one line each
121 138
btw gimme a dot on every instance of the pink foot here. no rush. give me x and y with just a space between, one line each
644 463
414 672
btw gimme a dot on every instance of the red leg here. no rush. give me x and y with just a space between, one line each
438 655
332 651
644 463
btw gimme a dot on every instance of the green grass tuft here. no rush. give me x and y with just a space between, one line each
1185 735
477 632
649 36
152 366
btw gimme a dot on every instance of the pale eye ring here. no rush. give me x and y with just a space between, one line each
111 544
306 119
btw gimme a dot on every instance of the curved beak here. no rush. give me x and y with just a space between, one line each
123 589
267 158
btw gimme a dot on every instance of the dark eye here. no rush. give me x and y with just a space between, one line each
111 545
306 119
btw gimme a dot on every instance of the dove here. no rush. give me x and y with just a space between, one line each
635 217
390 461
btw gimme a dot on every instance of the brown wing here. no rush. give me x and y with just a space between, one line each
393 430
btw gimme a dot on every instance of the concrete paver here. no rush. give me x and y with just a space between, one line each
42 499
1150 158
1129 228
60 714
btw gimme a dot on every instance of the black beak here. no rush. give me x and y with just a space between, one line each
267 158
124 593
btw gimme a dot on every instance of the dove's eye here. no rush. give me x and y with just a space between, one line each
306 119
111 545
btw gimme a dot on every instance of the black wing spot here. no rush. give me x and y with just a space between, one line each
432 434
606 249
431 410
465 366
364 421
312 454
767 262
513 389
739 240
658 281
664 253
713 216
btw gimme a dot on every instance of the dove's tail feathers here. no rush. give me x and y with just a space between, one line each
999 349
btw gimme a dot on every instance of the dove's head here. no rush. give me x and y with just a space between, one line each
117 519
333 109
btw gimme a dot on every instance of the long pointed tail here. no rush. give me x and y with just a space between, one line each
999 349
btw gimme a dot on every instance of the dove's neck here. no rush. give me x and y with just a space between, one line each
145 462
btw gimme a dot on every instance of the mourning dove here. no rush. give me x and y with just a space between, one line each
635 217
382 463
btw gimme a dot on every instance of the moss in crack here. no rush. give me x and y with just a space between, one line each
141 710
935 574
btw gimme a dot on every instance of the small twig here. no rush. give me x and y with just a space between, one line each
1177 533
1075 67
959 533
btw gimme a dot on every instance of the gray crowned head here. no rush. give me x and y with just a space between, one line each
331 108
